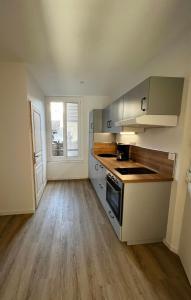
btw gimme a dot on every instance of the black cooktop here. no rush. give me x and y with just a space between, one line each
131 171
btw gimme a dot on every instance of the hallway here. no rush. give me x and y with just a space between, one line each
68 250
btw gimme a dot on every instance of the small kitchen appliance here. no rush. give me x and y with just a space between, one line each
123 152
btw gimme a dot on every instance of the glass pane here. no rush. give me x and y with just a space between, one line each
72 129
56 109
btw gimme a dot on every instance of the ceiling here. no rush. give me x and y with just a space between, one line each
100 42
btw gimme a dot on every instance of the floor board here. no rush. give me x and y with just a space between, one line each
68 250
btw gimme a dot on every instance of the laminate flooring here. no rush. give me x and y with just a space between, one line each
68 250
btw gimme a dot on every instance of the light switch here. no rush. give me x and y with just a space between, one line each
171 156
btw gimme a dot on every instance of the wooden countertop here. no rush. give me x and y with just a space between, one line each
112 163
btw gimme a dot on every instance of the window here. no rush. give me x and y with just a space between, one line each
64 129
56 110
72 129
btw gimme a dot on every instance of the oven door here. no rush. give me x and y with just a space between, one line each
114 197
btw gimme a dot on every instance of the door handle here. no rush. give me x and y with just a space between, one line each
34 158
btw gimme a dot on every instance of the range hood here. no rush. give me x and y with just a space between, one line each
149 121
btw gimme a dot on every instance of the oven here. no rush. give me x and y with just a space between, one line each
114 196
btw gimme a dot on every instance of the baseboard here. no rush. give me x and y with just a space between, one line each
17 212
141 242
170 247
62 179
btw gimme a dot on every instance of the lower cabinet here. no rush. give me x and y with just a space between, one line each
97 175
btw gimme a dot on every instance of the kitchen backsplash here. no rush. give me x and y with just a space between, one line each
104 137
126 139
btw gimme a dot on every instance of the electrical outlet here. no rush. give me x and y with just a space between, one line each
171 156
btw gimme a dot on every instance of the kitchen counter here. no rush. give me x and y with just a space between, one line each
112 163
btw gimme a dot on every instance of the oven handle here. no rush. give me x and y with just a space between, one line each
118 191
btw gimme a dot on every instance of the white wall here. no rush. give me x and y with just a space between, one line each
175 61
16 177
36 96
79 169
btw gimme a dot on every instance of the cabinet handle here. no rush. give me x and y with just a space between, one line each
92 127
96 167
142 102
107 124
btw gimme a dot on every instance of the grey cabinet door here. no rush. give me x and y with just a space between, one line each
136 100
91 142
93 171
91 168
95 120
91 121
106 120
116 114
117 110
165 95
112 114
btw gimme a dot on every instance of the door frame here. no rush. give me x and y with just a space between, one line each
31 108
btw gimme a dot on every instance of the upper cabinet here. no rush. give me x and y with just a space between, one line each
112 114
155 102
154 96
136 100
95 120
117 110
106 123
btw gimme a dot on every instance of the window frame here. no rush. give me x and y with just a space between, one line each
64 100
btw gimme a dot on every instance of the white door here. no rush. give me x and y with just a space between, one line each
37 153
185 242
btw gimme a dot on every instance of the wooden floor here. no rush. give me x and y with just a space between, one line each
68 250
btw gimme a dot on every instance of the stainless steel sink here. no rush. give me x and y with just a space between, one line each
131 171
